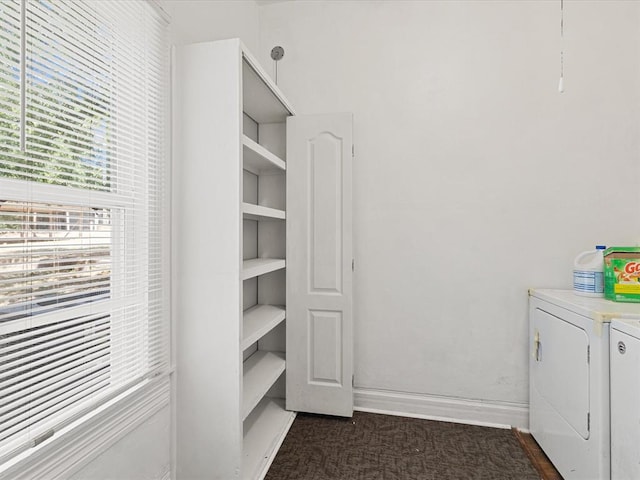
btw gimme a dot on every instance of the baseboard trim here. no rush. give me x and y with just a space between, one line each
449 409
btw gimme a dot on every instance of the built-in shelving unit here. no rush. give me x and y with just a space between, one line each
231 252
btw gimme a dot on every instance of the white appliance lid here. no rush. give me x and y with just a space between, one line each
598 309
627 325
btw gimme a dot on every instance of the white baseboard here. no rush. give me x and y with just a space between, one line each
449 409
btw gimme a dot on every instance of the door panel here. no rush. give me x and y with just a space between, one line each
325 198
325 354
319 256
562 370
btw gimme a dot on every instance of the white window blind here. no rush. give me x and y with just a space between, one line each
83 209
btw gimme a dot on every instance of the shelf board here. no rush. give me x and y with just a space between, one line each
251 211
262 99
264 432
261 370
259 160
259 320
259 266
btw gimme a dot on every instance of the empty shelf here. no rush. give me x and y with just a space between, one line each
261 370
258 321
264 431
262 99
258 212
258 159
259 266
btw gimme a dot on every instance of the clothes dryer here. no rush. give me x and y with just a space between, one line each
625 399
569 379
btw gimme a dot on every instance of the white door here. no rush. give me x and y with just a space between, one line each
319 264
561 370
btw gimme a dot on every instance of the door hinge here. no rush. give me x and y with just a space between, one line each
588 421
353 150
588 354
353 381
353 265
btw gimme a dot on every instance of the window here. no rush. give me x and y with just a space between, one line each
83 207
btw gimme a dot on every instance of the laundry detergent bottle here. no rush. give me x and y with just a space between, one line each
588 273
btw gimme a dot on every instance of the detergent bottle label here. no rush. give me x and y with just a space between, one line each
588 281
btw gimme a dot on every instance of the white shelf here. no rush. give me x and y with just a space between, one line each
251 211
264 432
262 99
259 320
261 370
259 266
259 160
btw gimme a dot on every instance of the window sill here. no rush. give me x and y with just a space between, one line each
78 443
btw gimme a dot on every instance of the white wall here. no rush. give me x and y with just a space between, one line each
204 20
143 454
474 178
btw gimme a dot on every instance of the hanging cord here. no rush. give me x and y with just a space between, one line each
561 83
23 75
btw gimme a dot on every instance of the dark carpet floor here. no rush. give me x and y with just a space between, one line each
382 447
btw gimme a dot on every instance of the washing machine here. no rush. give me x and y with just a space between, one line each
625 399
569 379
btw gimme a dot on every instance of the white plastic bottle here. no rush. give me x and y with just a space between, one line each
588 273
